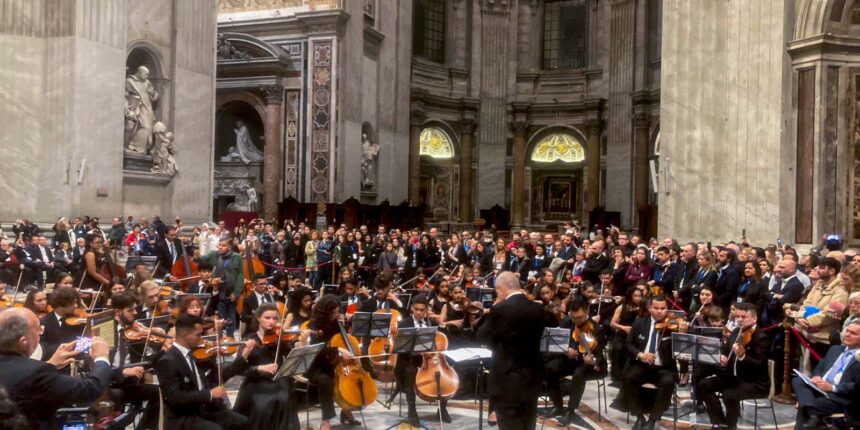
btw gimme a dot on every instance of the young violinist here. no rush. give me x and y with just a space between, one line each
622 323
323 326
743 370
193 399
649 341
37 301
439 298
407 364
584 360
265 402
95 259
55 329
301 302
456 317
352 297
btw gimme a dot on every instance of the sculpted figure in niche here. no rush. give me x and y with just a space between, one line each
163 151
369 151
140 96
245 147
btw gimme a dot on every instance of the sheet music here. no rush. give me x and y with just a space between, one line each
809 382
466 354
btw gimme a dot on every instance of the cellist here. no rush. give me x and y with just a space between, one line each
322 328
407 364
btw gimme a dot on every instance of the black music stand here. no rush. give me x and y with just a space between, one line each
370 324
405 299
554 340
414 340
698 350
330 289
480 294
298 361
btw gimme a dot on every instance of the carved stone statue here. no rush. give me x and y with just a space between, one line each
226 50
140 96
245 147
251 192
369 151
163 151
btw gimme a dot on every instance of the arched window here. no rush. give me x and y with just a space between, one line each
558 147
436 143
428 22
564 25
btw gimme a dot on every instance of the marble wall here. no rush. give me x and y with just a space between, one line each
61 104
725 165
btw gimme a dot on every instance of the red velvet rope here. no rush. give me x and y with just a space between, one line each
805 344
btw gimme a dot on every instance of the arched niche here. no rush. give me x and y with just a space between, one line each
555 174
440 173
226 119
144 54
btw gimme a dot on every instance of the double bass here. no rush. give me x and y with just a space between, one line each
354 388
184 270
436 379
253 266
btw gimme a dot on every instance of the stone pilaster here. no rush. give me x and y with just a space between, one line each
518 174
416 121
467 130
622 25
274 96
641 123
592 170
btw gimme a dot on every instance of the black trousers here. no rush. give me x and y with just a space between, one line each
639 373
325 386
734 390
220 420
406 383
515 411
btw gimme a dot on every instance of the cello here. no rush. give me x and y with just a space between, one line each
436 379
184 270
380 347
253 266
354 387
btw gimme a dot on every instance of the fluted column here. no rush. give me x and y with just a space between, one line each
467 130
272 171
415 124
592 181
518 175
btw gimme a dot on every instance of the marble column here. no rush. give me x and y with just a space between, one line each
272 169
467 130
592 170
518 174
416 122
640 155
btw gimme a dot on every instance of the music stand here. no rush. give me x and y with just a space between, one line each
405 299
103 325
330 289
370 324
414 340
555 340
696 349
480 294
146 260
298 361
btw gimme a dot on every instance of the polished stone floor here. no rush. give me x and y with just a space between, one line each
464 414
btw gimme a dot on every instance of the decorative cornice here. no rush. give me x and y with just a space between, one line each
496 6
273 94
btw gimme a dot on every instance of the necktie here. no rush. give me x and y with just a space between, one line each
172 252
197 381
652 343
838 367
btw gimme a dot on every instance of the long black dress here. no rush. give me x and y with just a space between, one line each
321 371
266 403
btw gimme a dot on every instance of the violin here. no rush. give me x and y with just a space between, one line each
584 336
436 379
672 324
354 386
137 332
287 335
78 318
208 348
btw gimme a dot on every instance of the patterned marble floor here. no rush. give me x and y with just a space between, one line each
464 414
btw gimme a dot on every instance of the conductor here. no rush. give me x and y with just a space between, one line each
512 329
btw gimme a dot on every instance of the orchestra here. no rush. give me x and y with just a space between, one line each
171 348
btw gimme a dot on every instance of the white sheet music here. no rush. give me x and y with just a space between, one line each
809 382
466 354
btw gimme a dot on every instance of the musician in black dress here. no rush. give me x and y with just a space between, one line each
622 323
267 403
322 328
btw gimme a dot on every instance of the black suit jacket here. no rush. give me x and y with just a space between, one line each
593 267
250 305
39 389
162 251
405 361
55 334
667 278
753 368
521 267
792 292
371 305
728 280
637 340
685 277
512 329
182 398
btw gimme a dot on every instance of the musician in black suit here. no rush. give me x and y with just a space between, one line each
581 366
408 364
383 298
743 370
56 331
685 277
513 329
664 272
168 252
263 293
728 279
651 350
838 375
37 387
595 263
190 399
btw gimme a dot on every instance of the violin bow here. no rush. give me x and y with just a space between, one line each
17 286
280 330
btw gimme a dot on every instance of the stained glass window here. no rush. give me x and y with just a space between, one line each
436 143
557 147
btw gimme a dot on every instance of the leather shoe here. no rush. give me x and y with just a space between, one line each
349 420
640 423
557 412
814 422
650 424
444 413
568 419
413 419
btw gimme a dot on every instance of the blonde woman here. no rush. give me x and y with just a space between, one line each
311 257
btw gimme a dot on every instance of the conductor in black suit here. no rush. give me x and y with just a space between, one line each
408 364
512 328
37 387
190 400
651 350
743 371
